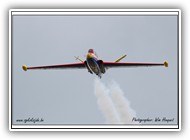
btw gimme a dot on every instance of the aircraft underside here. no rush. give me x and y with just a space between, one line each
95 66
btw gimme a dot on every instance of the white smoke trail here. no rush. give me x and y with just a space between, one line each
122 105
114 106
105 103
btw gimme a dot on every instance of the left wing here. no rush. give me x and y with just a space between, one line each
131 64
62 66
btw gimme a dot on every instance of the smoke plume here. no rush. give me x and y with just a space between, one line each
105 103
113 104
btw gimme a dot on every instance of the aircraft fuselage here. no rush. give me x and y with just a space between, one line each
94 65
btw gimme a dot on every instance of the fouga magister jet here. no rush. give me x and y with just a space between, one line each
94 65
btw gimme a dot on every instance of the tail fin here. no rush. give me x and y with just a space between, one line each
77 58
119 59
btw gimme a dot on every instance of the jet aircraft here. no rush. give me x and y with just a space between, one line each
96 66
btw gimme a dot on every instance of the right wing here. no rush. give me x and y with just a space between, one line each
132 64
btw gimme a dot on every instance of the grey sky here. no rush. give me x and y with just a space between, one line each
67 96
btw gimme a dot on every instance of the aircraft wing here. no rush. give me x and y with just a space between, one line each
62 66
133 64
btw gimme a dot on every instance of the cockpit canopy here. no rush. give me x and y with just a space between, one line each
90 51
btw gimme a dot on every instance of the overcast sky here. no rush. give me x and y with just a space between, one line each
67 96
